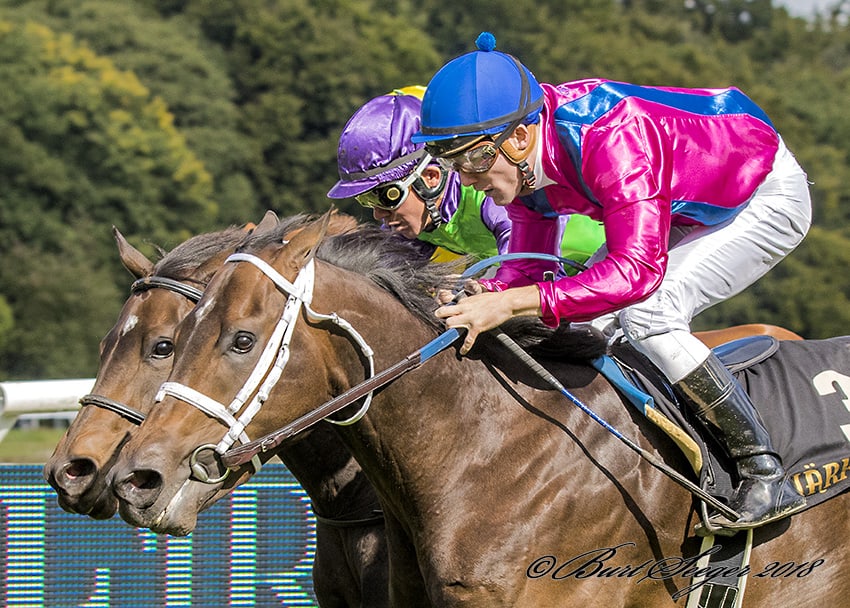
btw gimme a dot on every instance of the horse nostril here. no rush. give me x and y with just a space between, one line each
77 468
144 479
72 478
140 488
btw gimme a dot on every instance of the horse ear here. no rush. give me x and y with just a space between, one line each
133 259
303 243
269 221
341 223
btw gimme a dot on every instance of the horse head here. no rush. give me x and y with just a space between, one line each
135 358
229 347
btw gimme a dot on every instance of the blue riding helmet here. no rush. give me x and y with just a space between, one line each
480 93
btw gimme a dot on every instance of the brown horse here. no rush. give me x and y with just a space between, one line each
498 491
350 566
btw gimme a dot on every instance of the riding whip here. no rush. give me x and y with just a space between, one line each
648 456
511 345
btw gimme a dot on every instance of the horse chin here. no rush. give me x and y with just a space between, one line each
103 506
164 524
180 515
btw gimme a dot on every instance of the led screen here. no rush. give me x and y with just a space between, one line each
254 548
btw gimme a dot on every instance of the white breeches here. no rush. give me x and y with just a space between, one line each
709 264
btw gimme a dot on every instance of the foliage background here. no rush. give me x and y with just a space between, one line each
166 118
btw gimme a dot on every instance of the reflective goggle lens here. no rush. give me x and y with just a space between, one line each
386 196
451 147
477 159
391 195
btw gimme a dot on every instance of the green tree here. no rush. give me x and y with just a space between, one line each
171 57
807 292
170 117
6 320
301 69
83 146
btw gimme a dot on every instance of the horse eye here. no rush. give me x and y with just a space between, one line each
163 349
243 342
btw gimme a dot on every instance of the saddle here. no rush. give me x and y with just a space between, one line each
801 390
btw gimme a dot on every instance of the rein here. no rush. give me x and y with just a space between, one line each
268 369
244 453
139 286
677 477
377 518
247 451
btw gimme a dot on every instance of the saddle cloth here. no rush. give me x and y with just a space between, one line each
801 390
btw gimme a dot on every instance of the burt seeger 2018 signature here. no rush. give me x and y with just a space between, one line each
607 562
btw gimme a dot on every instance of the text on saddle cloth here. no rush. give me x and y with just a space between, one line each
801 389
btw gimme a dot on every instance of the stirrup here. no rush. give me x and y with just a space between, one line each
774 515
720 525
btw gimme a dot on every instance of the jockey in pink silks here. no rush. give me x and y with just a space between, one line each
699 198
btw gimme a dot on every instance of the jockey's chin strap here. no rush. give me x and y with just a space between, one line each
430 196
269 367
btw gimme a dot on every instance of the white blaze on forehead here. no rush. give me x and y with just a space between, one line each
131 322
202 310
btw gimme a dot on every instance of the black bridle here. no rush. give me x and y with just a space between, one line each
116 407
193 294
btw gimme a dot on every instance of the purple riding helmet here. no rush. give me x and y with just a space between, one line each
375 150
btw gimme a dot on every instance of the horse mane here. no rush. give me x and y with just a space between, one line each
184 260
567 341
392 262
399 266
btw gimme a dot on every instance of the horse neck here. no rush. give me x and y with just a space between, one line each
329 474
372 312
460 431
450 412
424 430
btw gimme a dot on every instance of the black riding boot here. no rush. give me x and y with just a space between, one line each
724 408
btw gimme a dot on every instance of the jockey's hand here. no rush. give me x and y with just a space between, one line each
485 311
470 288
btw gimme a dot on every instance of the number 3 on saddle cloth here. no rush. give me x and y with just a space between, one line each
801 389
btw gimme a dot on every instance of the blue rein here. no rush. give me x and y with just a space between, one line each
545 375
497 259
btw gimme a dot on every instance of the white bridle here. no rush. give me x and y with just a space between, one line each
268 369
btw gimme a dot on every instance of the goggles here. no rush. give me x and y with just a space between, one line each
477 159
391 195
443 148
470 154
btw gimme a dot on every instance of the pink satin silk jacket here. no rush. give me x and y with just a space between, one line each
640 159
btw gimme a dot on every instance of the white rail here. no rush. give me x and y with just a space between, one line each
39 396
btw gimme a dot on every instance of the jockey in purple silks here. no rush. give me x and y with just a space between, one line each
412 193
699 198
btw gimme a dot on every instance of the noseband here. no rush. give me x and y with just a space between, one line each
268 369
139 286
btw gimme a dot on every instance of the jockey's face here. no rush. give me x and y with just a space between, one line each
409 219
502 182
